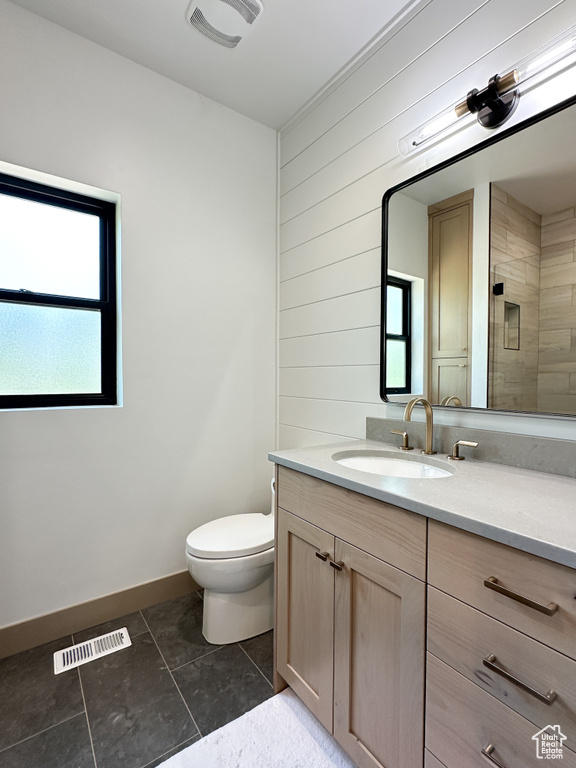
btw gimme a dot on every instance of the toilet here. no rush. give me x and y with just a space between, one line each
233 559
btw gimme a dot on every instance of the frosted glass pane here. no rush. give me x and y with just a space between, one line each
394 310
47 249
395 364
49 350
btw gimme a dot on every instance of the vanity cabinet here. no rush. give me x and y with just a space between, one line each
351 617
501 653
358 583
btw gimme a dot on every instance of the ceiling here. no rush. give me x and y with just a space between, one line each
295 48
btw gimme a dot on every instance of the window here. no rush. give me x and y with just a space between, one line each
57 297
398 336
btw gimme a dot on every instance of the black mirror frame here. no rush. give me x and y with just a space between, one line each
561 106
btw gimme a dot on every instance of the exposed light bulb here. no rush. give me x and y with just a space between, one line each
437 126
450 118
546 57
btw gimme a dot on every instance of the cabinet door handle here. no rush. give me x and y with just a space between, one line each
547 698
487 752
336 566
322 555
492 583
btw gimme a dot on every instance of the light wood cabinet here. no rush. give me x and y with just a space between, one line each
350 636
460 562
305 613
501 650
387 532
450 259
463 637
378 661
462 720
449 376
352 610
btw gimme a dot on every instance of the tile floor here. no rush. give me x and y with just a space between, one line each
134 708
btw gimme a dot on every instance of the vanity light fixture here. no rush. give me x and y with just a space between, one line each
495 103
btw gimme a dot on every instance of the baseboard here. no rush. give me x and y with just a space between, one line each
43 629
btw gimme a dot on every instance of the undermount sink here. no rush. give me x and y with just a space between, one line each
388 464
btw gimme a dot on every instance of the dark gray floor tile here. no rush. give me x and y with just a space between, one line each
135 711
32 697
177 628
64 746
221 686
173 752
261 651
133 622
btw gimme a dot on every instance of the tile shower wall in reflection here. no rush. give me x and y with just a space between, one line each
533 257
515 264
557 348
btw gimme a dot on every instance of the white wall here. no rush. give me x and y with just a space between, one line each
408 259
97 500
480 295
338 158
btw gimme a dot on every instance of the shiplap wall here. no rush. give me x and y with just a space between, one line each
338 157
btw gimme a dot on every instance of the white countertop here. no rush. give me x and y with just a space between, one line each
532 511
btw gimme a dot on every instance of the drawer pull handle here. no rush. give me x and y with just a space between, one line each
336 566
487 752
547 698
322 556
492 583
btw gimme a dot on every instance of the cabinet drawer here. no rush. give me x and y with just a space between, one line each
387 532
462 720
463 637
461 564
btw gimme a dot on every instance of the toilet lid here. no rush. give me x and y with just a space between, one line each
232 536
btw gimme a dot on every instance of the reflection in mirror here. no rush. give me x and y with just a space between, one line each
511 326
487 245
398 337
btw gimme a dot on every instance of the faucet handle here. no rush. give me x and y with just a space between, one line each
404 435
455 455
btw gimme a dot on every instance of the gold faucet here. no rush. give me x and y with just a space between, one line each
428 412
451 399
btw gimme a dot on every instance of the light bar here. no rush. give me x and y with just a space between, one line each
495 103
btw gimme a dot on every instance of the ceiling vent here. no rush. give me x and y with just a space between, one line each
224 21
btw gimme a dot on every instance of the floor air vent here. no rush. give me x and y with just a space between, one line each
90 650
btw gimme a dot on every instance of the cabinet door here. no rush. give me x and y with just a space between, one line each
378 661
449 376
305 613
450 240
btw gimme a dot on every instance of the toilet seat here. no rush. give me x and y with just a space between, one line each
232 536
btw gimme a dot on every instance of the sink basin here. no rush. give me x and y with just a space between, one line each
388 464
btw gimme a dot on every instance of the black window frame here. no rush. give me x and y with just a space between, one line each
106 304
406 335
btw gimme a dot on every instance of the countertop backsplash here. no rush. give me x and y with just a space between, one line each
542 454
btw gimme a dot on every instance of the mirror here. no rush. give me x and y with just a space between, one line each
479 257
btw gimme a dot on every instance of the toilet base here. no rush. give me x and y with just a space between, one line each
231 617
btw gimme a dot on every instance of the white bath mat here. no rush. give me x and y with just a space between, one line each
280 733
